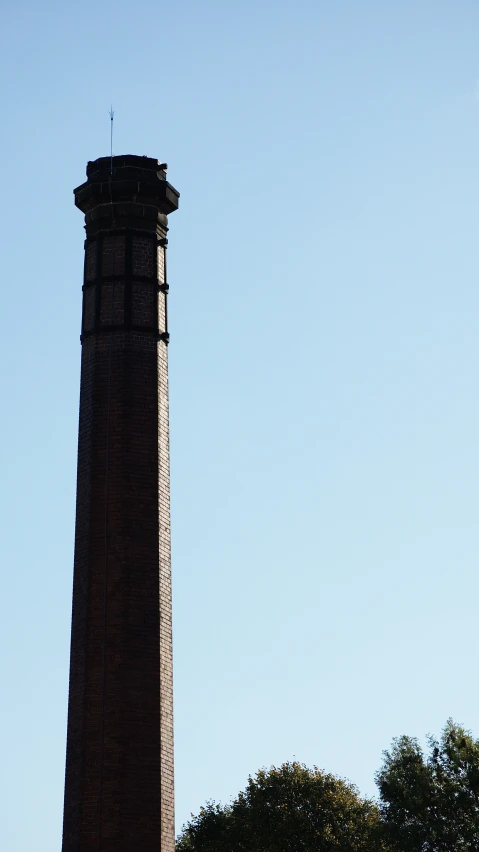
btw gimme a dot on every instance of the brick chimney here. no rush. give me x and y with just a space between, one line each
119 793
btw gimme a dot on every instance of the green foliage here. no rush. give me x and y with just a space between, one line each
209 831
287 809
430 803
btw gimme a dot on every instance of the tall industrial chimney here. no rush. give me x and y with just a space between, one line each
119 793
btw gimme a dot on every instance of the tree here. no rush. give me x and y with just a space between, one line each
430 803
287 809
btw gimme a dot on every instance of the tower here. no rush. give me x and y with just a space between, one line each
119 759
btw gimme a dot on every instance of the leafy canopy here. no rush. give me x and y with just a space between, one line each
287 809
430 802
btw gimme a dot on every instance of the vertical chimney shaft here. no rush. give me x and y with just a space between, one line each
119 761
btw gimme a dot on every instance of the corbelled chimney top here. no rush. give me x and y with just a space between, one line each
123 161
123 189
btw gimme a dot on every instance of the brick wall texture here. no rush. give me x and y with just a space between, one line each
119 766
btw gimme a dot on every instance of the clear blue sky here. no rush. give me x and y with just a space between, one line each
324 272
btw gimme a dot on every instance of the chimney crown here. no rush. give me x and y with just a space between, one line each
125 187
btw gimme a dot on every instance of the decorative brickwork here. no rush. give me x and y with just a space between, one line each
119 794
112 304
88 309
144 303
143 256
90 261
113 255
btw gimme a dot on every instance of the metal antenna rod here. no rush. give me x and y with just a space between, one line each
111 139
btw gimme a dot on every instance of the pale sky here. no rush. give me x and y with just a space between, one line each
324 318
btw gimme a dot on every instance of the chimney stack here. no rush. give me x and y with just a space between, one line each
119 794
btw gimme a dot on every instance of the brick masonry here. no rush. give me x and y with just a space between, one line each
119 791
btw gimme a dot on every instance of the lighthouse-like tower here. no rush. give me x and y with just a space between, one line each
119 760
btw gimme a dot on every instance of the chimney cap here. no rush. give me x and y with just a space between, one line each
127 189
122 161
